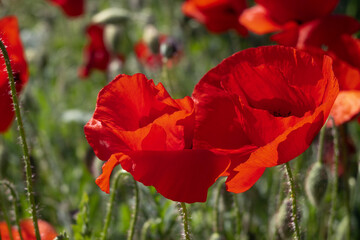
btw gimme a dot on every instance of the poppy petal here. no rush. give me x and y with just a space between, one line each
346 107
257 20
243 179
47 232
183 176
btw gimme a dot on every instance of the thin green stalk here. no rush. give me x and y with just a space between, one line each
238 216
15 202
335 133
6 216
24 145
185 220
111 204
216 221
293 199
135 212
321 144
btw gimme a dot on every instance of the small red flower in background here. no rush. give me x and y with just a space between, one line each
138 125
96 54
10 35
274 15
263 107
332 36
72 8
217 15
156 49
47 232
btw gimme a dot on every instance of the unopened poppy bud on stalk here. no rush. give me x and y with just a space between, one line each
284 219
169 48
118 16
316 183
152 38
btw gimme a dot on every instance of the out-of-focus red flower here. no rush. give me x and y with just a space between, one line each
217 15
72 8
138 125
10 35
332 36
152 57
47 232
96 54
263 107
274 15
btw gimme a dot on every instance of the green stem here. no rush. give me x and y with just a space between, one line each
28 171
6 216
335 133
238 216
216 210
15 202
135 213
321 144
293 199
111 204
185 220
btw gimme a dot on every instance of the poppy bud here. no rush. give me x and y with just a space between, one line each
316 183
151 38
284 220
111 16
169 48
112 37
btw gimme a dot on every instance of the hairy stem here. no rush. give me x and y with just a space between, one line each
185 220
335 133
293 199
15 202
111 204
135 212
24 145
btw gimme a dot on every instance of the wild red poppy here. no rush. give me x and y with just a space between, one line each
96 54
217 15
332 36
138 125
153 57
274 15
263 107
47 232
10 35
72 8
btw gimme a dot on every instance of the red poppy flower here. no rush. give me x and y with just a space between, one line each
263 107
138 125
72 8
96 54
217 15
146 56
10 35
152 57
332 36
273 15
47 232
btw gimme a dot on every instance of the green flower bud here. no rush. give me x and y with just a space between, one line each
284 220
316 183
151 38
112 38
111 16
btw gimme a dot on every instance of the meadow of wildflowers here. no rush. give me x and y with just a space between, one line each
179 119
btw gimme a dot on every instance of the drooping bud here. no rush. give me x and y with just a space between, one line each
284 220
111 16
152 38
113 37
316 183
169 48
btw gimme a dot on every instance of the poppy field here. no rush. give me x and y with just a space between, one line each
179 119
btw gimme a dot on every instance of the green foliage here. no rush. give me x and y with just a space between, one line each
81 229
